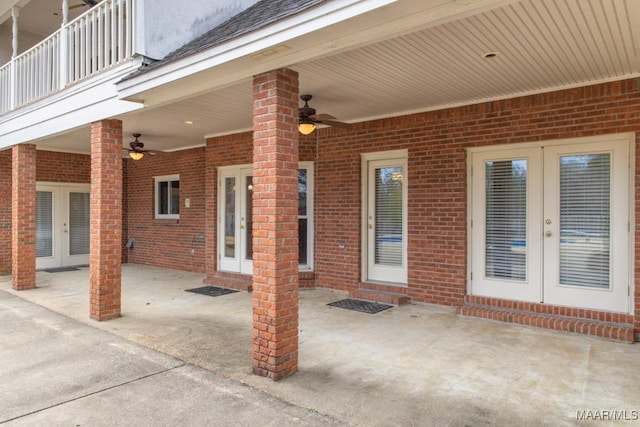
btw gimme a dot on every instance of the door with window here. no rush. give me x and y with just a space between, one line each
235 232
235 186
385 218
551 224
62 225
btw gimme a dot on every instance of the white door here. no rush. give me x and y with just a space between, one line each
386 212
62 225
586 226
551 224
236 232
506 224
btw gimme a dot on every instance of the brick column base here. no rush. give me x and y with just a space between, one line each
275 224
23 217
106 219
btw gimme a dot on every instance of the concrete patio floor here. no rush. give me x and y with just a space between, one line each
415 364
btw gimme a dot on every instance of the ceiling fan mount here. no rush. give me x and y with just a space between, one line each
136 150
308 118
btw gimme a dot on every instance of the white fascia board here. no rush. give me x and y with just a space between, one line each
235 60
77 106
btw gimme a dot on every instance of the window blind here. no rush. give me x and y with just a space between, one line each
79 223
585 212
44 224
506 219
388 215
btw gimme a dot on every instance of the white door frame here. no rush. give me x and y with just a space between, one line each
603 143
370 271
60 230
237 263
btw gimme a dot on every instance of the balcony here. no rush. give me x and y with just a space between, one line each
92 43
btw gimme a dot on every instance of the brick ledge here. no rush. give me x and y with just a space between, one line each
614 331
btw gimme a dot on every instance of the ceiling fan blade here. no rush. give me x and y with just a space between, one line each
322 117
75 6
335 123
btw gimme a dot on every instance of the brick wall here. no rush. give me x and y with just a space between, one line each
51 167
23 216
170 243
5 212
234 150
436 143
63 167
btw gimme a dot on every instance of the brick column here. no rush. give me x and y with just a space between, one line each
275 224
23 217
106 219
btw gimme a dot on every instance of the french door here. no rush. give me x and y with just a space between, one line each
236 231
386 219
551 224
62 225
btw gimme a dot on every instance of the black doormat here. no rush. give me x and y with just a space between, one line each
60 269
212 291
359 305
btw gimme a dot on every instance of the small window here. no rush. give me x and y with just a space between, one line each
167 197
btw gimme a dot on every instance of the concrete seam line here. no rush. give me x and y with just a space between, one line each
93 393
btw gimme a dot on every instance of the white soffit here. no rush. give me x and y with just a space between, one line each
542 45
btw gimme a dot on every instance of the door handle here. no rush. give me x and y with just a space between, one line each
547 234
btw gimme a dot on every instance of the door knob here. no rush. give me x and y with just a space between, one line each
547 234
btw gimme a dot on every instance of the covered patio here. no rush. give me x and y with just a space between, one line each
402 366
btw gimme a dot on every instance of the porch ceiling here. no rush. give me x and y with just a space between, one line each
541 45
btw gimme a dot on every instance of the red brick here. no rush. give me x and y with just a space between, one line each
23 217
106 220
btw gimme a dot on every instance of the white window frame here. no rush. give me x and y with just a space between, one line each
309 167
606 138
157 180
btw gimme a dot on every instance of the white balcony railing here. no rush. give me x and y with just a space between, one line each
99 39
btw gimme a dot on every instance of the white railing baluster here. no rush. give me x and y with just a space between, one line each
114 34
102 37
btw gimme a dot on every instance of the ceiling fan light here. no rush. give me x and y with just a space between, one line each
136 155
306 128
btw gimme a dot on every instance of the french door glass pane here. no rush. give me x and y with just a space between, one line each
302 241
302 192
249 218
78 223
229 217
388 215
506 219
44 224
585 208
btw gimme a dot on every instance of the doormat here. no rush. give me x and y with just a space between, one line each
359 305
212 291
60 269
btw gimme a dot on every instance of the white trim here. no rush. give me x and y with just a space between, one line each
628 137
366 158
76 106
370 21
60 247
156 181
310 167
